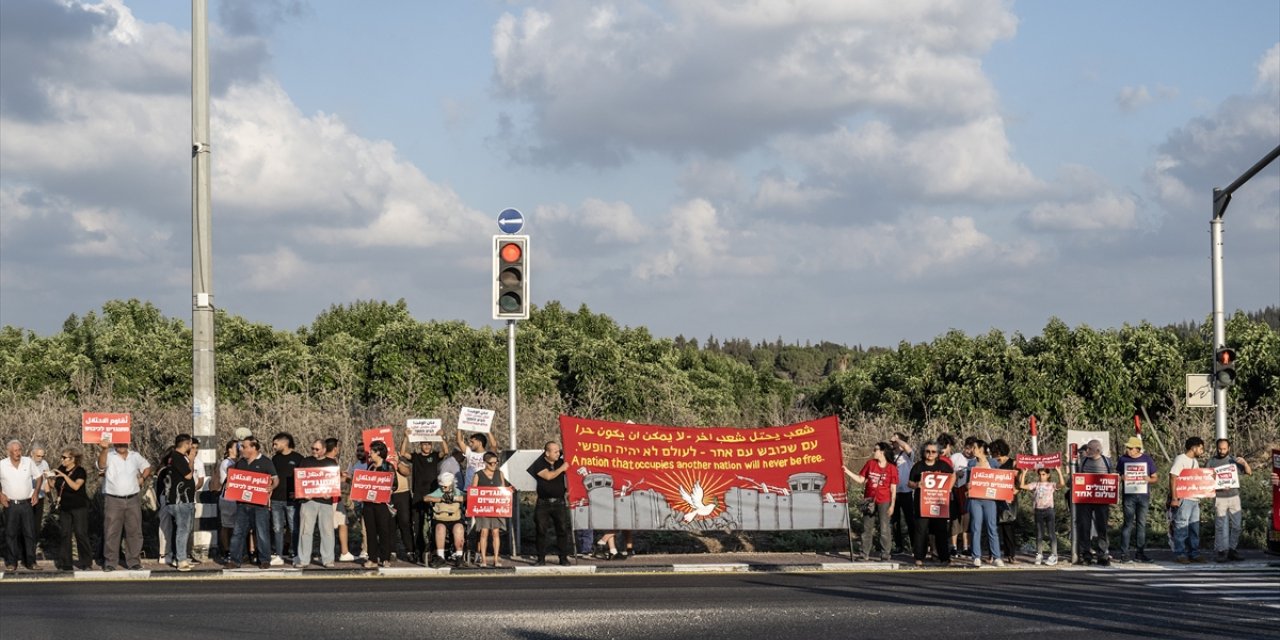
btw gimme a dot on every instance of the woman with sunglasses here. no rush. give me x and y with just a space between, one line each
930 522
490 476
73 510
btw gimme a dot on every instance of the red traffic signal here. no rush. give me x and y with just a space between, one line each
1224 367
510 277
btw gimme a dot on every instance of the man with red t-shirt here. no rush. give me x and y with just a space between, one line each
880 482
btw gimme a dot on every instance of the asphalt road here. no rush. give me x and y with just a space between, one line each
801 606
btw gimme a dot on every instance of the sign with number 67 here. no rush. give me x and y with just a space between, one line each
935 494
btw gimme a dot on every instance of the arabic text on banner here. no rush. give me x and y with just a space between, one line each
248 486
642 477
105 427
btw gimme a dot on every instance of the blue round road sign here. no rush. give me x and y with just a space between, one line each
510 221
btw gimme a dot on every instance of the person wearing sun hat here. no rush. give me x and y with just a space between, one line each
1138 471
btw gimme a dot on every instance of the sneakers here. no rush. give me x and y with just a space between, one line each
1052 560
347 557
185 565
1039 558
277 561
369 564
977 562
999 563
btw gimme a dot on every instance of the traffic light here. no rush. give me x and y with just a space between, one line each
1224 367
511 277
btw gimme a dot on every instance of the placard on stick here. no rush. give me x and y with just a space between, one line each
386 435
105 427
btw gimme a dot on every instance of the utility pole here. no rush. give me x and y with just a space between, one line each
1221 198
203 400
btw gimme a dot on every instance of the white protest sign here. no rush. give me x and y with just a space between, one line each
1227 477
1135 478
475 420
423 429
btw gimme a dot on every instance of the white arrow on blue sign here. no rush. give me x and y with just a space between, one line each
510 221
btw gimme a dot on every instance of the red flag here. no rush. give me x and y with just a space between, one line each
1034 431
1137 424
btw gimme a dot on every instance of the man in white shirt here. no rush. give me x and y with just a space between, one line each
1186 517
20 484
124 473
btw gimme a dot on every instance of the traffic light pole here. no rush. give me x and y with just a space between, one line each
511 380
1221 198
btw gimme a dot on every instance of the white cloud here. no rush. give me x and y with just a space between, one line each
1130 99
721 77
699 244
278 270
1105 212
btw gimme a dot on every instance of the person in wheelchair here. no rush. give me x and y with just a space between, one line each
447 504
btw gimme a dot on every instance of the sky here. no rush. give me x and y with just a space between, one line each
856 172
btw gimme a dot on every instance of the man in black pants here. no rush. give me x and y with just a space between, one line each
422 466
552 507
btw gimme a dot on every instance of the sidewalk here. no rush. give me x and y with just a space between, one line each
645 563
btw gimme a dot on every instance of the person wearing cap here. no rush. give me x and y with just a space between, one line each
1092 519
1137 471
447 509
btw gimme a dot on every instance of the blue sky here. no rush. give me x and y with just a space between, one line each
856 172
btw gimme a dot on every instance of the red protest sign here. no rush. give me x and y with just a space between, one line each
1193 484
1095 488
316 482
105 427
372 486
248 486
386 435
1046 461
935 494
488 502
991 484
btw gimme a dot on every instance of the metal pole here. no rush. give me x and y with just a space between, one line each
511 380
1219 323
203 401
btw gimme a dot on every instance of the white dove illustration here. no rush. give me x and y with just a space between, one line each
694 501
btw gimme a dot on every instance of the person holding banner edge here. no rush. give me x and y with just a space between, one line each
880 480
1045 515
1186 516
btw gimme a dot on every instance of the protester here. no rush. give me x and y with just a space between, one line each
201 481
333 450
37 510
982 511
402 512
1186 517
226 508
959 491
284 504
880 480
473 449
20 482
315 514
1226 503
72 498
938 528
903 523
447 508
1042 501
1092 519
1006 511
607 547
125 471
379 527
1137 498
253 516
423 466
551 509
490 476
357 507
180 500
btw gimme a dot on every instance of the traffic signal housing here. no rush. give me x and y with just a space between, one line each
511 277
1224 367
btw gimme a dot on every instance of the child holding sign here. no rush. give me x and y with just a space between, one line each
1042 499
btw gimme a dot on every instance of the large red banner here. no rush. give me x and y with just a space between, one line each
991 484
1194 484
372 486
488 502
248 486
105 427
317 482
1095 488
630 476
935 494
